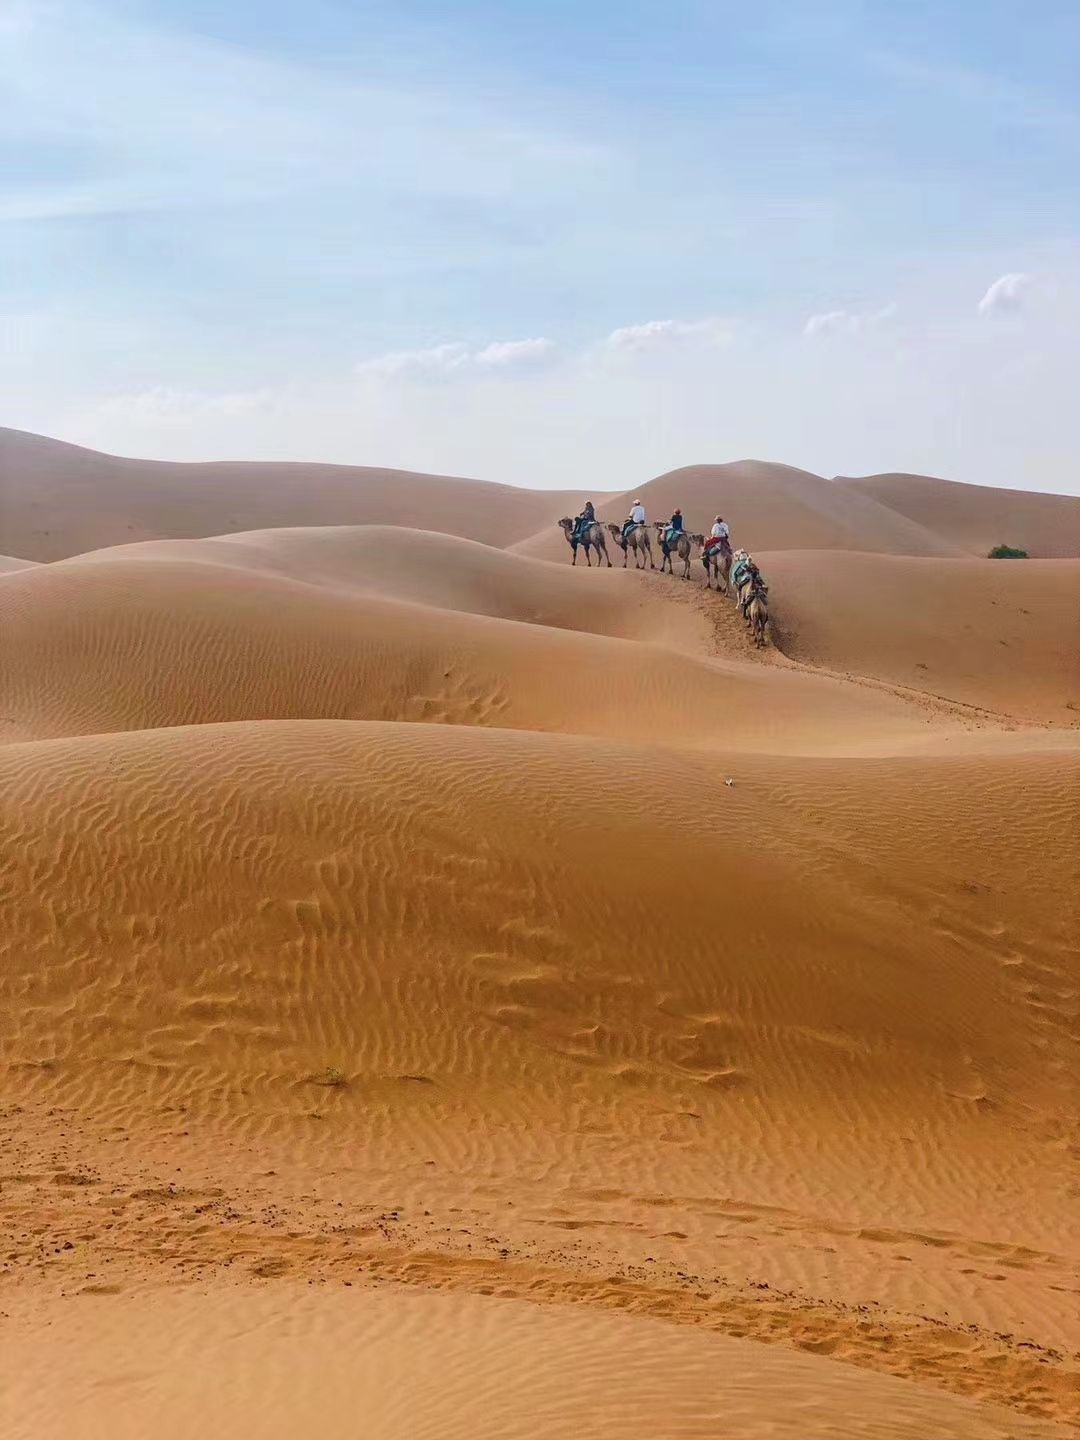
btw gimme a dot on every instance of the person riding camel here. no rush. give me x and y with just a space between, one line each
674 529
584 520
754 582
719 536
635 518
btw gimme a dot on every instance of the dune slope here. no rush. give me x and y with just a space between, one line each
1005 639
58 500
503 950
129 639
769 507
977 517
444 1366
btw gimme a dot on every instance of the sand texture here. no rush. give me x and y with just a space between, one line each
978 517
445 993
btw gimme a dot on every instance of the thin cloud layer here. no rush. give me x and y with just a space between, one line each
502 354
1006 294
654 334
455 357
166 405
847 322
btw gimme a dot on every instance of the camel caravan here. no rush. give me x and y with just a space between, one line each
726 571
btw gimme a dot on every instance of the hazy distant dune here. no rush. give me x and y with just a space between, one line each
769 507
58 500
977 517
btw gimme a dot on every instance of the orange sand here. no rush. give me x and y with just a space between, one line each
448 989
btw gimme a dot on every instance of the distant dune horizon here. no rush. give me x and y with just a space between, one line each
91 499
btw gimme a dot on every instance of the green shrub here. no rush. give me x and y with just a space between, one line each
1007 552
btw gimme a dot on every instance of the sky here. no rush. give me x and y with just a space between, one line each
553 244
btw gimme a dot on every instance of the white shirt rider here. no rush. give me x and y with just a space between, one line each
720 531
637 513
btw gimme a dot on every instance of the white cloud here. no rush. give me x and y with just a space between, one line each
847 322
502 353
166 405
436 359
654 333
455 356
951 400
1005 294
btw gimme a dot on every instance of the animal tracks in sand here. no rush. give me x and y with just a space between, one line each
459 700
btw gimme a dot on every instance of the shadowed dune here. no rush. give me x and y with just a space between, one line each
977 517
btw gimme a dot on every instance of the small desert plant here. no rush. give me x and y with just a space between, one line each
1007 552
330 1076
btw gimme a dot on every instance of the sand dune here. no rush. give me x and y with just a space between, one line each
769 507
132 638
977 517
58 500
551 1069
10 563
438 570
1006 638
273 1366
444 988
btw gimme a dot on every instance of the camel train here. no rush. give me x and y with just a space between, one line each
725 571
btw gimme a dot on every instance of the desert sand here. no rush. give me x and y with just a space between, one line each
978 517
444 992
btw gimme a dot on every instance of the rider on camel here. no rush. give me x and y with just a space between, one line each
635 518
754 582
673 531
720 536
584 520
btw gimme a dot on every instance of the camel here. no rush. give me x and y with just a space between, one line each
717 564
638 540
756 610
592 538
681 546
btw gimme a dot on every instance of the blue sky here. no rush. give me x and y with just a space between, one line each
550 243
